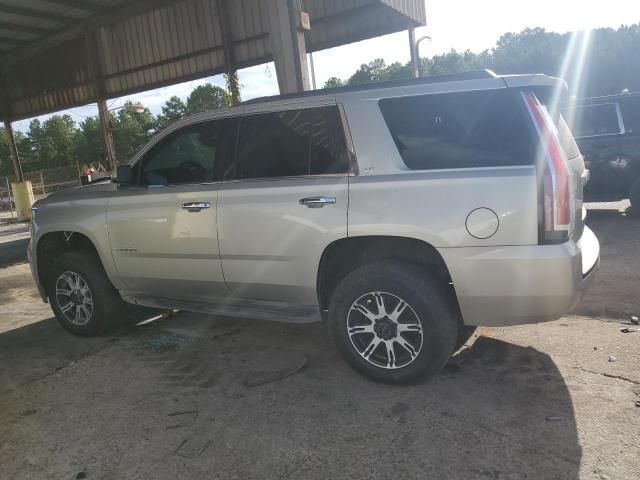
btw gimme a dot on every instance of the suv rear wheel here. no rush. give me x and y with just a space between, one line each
393 322
81 296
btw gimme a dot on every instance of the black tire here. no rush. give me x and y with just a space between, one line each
430 306
634 195
465 332
106 305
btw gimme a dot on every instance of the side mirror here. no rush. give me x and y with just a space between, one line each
124 175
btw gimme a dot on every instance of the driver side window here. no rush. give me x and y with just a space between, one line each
189 155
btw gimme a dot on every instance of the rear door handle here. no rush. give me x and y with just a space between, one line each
195 206
317 202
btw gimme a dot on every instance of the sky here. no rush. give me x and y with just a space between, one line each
473 25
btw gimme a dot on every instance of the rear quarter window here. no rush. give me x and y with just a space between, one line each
460 130
631 114
594 120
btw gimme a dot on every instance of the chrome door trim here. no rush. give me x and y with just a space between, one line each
317 202
195 206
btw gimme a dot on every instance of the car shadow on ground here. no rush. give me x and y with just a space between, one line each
13 252
229 395
36 350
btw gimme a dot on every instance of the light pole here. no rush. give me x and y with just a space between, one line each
134 107
414 49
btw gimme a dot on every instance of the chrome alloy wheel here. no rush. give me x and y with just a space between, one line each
74 298
385 330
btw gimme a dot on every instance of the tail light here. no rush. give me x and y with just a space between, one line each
556 222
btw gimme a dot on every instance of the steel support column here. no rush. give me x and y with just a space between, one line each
95 69
288 45
107 134
13 150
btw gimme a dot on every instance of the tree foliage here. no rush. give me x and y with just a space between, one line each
600 63
233 87
206 97
173 110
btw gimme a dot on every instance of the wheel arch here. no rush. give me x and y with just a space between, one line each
52 244
345 255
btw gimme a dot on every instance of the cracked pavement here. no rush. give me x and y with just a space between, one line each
186 397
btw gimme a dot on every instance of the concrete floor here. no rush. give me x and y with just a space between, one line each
199 397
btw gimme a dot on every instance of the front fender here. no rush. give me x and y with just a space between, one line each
86 217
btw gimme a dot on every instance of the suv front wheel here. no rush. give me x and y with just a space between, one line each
81 295
393 322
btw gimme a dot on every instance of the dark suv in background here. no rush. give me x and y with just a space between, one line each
607 130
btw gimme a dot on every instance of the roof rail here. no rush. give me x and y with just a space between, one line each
472 75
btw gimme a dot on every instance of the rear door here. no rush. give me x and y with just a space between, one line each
163 230
286 201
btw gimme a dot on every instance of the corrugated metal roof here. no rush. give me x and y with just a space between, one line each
49 62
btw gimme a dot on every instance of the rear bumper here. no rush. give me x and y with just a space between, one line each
498 286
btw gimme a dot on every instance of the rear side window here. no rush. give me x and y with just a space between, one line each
460 130
291 143
273 145
328 146
595 120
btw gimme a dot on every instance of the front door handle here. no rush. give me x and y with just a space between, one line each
317 202
195 206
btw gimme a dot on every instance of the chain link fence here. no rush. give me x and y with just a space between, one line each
43 183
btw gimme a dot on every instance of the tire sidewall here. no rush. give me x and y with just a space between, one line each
91 272
427 298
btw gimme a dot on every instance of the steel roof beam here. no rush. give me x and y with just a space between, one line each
12 41
79 26
40 14
85 5
15 27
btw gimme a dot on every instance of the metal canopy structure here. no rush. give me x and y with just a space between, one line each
56 54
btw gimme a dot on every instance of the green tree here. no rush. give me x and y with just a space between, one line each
59 132
89 143
455 62
173 110
333 82
49 144
233 88
131 130
373 71
206 97
534 50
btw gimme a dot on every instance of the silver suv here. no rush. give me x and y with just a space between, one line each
405 214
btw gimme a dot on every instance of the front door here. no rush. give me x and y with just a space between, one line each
163 230
286 203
